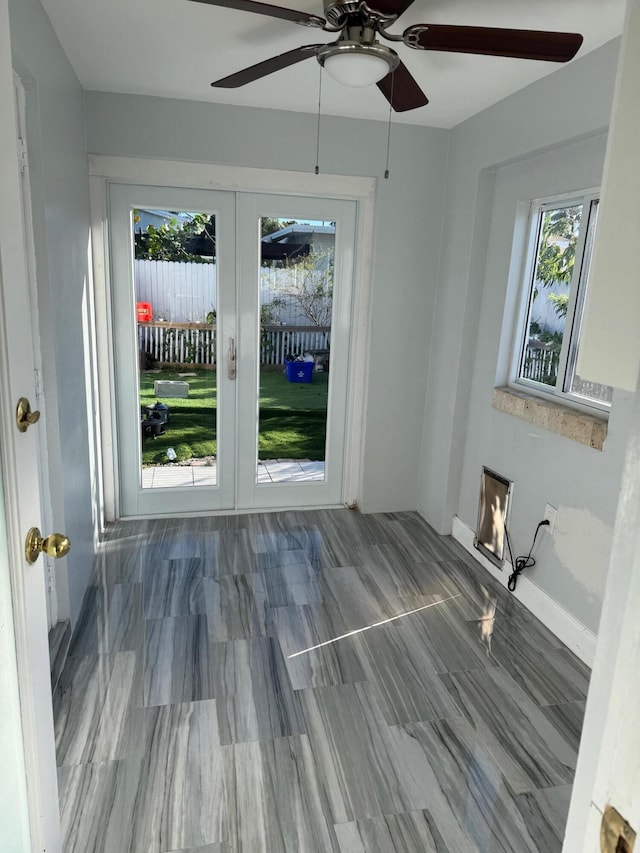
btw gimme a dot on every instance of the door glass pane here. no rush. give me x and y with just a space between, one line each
176 297
579 385
296 303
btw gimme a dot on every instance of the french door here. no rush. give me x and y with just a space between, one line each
214 293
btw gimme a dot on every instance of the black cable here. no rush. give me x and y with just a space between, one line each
317 169
521 563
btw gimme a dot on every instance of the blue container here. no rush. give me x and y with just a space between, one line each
299 371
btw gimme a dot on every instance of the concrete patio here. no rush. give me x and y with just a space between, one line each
269 471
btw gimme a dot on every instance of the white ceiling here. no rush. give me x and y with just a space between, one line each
175 48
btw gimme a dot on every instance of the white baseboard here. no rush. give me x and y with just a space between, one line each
559 621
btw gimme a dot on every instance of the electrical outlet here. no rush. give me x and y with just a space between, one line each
550 516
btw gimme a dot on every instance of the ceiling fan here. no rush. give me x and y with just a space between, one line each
357 58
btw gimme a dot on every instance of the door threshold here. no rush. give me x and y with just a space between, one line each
237 511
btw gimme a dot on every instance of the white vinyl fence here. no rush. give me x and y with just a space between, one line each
182 293
187 292
178 343
195 343
279 341
540 364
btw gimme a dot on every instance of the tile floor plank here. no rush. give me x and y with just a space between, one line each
255 698
92 708
410 832
313 655
403 678
567 719
237 608
110 620
174 790
525 745
178 664
174 588
280 804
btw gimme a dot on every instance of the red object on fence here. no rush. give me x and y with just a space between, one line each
144 314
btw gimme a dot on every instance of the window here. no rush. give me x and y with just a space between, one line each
561 234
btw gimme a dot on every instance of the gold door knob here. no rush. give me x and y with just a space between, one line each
24 416
56 545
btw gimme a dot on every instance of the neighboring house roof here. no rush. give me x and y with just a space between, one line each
151 216
298 233
294 241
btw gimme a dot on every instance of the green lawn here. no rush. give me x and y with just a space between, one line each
292 417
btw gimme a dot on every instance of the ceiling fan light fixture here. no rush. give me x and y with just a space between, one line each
357 65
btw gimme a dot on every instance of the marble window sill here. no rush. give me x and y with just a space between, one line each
547 414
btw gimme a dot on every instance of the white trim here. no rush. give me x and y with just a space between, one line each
359 352
104 366
142 171
559 621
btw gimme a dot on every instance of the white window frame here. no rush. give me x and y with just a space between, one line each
577 291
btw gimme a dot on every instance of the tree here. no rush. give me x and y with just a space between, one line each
268 225
193 241
560 303
308 286
557 252
558 241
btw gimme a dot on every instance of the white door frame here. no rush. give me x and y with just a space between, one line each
105 169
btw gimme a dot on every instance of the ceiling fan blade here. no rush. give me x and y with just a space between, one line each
261 69
521 44
393 7
293 15
402 91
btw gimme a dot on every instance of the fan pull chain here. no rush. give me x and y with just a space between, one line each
386 171
317 169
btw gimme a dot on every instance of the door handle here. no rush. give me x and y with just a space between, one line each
24 416
231 369
56 545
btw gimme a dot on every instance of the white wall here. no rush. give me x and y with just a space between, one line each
407 238
60 198
605 328
608 771
572 104
581 482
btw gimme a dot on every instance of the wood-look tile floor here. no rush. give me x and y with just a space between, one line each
310 682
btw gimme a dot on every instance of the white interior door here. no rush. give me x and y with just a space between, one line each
305 451
39 401
23 611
